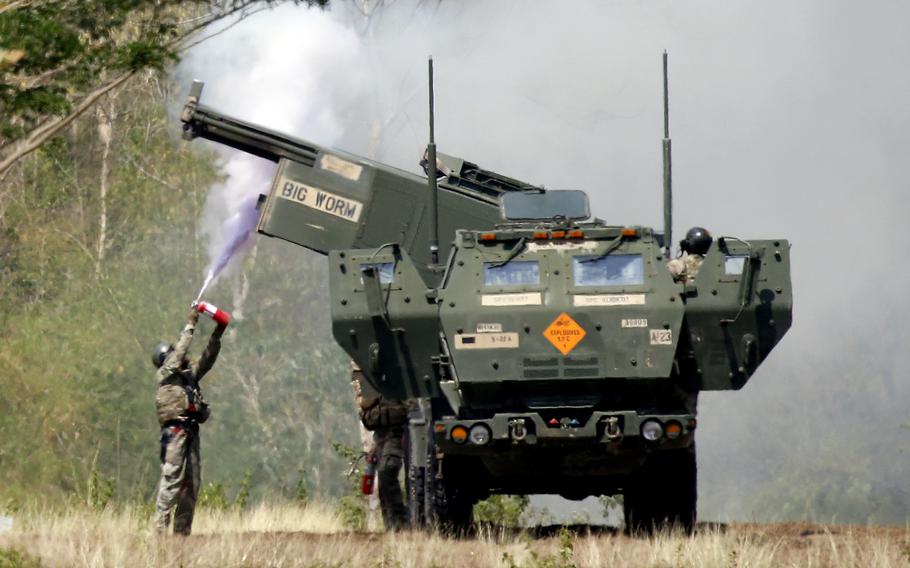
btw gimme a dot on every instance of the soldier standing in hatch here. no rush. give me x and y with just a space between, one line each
386 418
181 409
694 247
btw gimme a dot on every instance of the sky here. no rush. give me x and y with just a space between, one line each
788 119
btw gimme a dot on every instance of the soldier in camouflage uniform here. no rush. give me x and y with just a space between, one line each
694 246
181 408
386 418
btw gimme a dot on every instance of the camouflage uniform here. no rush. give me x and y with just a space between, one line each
386 418
181 408
685 268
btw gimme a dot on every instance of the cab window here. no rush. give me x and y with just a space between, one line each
514 273
733 265
386 271
611 270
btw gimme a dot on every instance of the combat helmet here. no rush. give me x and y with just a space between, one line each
698 240
159 354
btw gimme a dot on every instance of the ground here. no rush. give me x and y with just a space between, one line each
314 537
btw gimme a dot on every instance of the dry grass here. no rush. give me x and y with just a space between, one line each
290 536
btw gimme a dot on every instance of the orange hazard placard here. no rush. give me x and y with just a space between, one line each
564 333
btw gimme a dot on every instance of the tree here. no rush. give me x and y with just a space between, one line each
59 57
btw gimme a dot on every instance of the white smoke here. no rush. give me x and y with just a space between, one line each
273 72
789 119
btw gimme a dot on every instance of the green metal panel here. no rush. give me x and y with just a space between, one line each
346 202
390 329
734 320
618 338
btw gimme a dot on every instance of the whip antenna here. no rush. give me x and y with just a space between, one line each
668 169
431 179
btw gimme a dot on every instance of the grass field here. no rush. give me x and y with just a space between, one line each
315 537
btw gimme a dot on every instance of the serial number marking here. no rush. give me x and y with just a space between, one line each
528 299
319 199
489 328
593 300
486 341
640 322
341 167
661 337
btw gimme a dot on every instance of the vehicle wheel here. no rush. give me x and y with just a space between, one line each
449 506
662 494
416 483
435 502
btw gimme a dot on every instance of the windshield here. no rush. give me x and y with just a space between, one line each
517 206
615 270
515 273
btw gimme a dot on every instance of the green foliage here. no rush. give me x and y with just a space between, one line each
243 496
351 506
66 50
353 512
301 491
100 490
12 558
10 506
562 559
69 46
503 510
77 326
213 496
566 548
145 54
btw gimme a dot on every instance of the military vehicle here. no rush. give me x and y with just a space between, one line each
549 351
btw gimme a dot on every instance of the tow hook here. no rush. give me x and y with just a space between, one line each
517 429
613 432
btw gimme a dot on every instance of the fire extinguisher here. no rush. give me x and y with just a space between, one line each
369 474
221 317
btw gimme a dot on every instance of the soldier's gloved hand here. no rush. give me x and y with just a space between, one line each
194 316
219 330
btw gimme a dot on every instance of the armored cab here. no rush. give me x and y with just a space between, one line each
548 351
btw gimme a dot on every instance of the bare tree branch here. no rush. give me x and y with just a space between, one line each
41 134
226 28
77 242
105 126
150 175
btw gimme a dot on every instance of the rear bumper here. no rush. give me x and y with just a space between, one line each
610 430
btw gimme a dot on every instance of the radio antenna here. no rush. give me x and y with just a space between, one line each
668 169
431 179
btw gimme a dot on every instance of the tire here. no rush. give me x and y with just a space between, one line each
448 506
662 495
416 482
434 501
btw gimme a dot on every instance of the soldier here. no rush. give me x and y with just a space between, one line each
694 247
181 409
386 418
